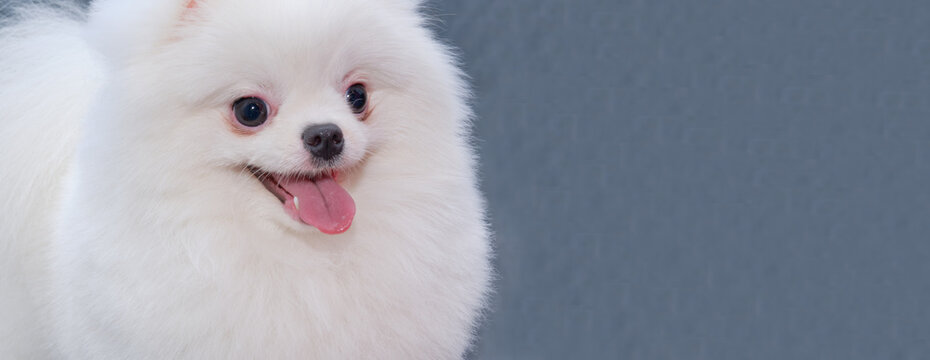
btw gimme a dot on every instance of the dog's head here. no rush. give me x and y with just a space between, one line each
299 97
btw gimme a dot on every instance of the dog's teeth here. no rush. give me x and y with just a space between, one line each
296 204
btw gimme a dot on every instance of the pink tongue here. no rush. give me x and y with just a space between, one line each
321 203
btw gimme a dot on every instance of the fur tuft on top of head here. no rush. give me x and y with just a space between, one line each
122 29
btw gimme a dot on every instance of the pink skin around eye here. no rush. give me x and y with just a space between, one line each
240 129
352 78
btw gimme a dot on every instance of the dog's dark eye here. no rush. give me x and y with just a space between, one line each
357 98
251 111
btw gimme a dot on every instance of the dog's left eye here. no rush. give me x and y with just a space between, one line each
357 98
251 111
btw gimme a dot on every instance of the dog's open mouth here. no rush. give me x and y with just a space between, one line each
318 201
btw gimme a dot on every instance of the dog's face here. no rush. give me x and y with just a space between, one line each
298 94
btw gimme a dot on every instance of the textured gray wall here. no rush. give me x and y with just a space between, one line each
723 179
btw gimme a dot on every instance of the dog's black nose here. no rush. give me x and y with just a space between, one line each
323 141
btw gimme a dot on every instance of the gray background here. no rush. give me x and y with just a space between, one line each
714 179
721 179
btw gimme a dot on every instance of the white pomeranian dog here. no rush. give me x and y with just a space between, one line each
219 179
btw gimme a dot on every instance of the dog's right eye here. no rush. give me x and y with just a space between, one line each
251 111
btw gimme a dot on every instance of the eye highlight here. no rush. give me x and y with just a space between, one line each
250 111
357 98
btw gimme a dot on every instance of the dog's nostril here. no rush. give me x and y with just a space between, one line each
315 141
337 138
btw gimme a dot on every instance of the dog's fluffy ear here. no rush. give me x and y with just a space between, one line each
122 29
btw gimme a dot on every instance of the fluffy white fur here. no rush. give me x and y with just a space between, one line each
129 228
